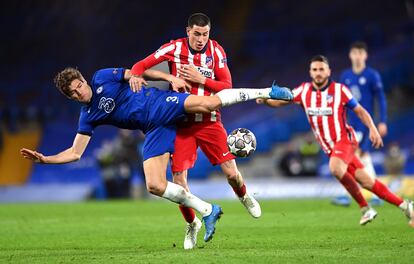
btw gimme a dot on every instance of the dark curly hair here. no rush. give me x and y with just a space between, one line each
64 78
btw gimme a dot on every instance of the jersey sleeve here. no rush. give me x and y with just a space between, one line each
297 94
162 54
347 98
85 127
109 74
221 72
378 90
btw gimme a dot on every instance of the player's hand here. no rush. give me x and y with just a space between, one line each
382 129
33 155
191 74
375 138
136 83
179 85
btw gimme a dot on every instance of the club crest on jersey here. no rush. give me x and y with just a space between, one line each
107 104
329 98
319 111
362 80
99 90
209 61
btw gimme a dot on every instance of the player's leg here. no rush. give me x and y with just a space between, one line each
382 191
194 224
159 142
236 181
338 167
185 154
183 158
212 139
157 184
206 104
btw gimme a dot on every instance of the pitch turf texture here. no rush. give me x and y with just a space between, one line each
289 231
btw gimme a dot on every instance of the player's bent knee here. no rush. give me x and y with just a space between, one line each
156 188
337 171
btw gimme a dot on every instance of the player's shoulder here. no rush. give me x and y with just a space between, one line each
216 44
175 41
371 71
298 89
347 72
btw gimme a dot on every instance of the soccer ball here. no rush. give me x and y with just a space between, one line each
241 142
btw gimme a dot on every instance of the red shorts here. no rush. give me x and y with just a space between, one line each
345 151
210 137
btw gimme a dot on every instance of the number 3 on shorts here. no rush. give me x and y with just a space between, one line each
172 99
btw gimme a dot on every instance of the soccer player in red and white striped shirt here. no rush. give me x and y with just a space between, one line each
202 63
325 103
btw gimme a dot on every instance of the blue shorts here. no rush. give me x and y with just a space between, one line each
165 109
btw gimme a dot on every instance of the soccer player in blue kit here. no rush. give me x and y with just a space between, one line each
109 100
366 87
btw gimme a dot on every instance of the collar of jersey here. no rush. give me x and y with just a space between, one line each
193 51
323 88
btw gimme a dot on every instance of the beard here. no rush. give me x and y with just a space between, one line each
319 81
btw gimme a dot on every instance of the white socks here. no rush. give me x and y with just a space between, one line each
178 194
237 95
367 161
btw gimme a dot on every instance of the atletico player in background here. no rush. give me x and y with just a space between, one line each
367 88
202 63
325 103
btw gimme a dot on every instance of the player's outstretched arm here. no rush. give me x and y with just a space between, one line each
177 84
71 154
365 117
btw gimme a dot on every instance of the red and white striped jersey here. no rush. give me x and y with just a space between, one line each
211 62
326 112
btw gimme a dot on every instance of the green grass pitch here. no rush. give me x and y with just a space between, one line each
289 231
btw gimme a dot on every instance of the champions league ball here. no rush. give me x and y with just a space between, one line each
241 142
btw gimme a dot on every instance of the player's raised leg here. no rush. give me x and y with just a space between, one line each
155 176
227 97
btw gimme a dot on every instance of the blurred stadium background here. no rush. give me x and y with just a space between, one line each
264 41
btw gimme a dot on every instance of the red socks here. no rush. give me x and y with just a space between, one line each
240 192
188 213
384 193
353 189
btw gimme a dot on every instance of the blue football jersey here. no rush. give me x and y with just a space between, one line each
112 103
365 87
153 111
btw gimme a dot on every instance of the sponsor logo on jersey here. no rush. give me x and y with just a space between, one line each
107 104
115 71
206 72
319 111
362 80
